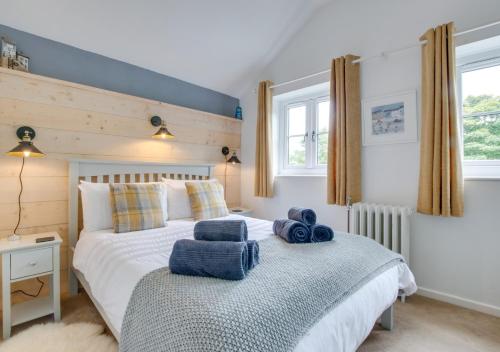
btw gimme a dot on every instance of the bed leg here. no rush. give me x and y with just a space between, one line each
73 283
387 318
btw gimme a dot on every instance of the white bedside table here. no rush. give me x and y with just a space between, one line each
26 259
241 211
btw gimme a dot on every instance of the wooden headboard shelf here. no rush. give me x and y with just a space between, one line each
118 172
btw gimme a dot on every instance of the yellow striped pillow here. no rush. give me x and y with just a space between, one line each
136 207
207 199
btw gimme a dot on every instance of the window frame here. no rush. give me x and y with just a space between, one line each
315 144
310 100
476 169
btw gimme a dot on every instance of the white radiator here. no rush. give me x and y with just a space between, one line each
387 224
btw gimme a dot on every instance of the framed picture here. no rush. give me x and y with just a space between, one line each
390 119
8 49
22 63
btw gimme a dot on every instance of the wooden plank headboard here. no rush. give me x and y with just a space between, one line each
119 171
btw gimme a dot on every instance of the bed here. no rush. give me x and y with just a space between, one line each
109 266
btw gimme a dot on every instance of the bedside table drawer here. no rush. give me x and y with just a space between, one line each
29 263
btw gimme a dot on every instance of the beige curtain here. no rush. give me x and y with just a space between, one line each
440 181
344 138
263 165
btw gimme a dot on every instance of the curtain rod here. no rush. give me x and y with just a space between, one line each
384 54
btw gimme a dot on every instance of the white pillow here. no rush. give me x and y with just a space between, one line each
96 205
178 202
179 205
97 214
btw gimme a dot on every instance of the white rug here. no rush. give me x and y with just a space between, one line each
59 337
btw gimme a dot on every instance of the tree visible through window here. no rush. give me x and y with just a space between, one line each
322 134
481 113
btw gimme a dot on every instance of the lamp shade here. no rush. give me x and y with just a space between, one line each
234 159
26 148
163 133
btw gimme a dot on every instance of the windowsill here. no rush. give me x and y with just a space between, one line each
481 170
467 178
301 175
482 178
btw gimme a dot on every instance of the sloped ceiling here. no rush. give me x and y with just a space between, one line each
215 44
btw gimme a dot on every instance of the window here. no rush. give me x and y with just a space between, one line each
303 121
479 89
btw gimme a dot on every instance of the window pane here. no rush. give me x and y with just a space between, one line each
297 121
481 113
323 116
322 148
296 151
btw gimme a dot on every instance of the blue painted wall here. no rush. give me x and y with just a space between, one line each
57 60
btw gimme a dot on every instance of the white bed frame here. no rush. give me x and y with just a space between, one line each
116 171
126 171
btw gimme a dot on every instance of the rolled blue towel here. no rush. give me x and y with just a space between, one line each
305 215
253 253
221 259
321 233
292 231
221 230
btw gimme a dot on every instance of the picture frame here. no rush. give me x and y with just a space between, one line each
390 119
22 63
8 49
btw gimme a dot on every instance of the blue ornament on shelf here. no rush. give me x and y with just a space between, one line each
238 113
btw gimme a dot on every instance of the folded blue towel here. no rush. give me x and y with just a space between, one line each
221 259
221 230
321 233
292 231
305 215
253 253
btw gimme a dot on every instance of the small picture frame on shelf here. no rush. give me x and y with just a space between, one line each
8 49
22 63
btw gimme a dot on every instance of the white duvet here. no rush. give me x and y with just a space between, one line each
113 264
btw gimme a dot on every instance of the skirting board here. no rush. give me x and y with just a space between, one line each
459 301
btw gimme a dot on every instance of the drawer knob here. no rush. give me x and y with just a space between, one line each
32 263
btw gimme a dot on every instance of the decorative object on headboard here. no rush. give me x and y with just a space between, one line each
10 58
22 62
238 114
25 149
8 53
163 132
233 160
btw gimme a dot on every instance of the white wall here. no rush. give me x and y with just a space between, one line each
450 256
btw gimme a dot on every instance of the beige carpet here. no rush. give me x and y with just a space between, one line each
422 324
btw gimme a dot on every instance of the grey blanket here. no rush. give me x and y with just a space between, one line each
291 289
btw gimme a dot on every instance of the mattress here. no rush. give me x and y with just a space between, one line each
112 264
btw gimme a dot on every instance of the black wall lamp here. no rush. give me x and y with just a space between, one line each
25 149
233 160
163 132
